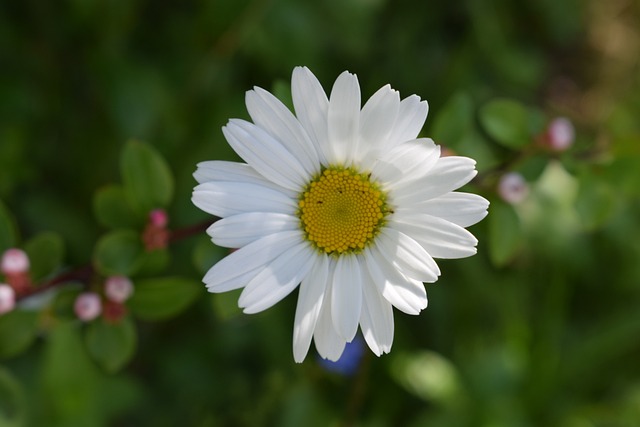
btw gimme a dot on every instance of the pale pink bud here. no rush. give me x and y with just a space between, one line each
118 288
560 134
159 218
513 188
14 261
88 306
7 298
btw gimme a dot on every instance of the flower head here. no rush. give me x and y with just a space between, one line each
344 201
560 134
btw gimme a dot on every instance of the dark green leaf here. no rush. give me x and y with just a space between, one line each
155 299
13 403
148 182
454 121
119 252
111 345
155 261
507 122
595 201
46 252
18 330
8 231
113 210
505 233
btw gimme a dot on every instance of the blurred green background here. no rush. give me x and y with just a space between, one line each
540 328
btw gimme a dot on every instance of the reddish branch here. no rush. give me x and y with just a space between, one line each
85 273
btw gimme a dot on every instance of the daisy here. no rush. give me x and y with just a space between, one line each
344 201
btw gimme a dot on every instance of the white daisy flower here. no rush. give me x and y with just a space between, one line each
346 202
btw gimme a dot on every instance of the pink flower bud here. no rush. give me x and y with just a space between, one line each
14 261
512 188
118 288
560 134
159 218
88 306
7 298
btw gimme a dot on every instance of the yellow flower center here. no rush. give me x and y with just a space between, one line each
342 210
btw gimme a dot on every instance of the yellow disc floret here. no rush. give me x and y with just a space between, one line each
342 210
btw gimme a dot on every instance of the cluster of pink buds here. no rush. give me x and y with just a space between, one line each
156 234
14 265
117 290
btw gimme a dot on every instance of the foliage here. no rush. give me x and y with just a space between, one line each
106 108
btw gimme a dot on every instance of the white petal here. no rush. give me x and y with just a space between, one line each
448 174
265 154
441 238
220 170
344 117
310 298
238 268
464 209
231 198
411 258
407 295
271 115
312 106
239 230
406 162
411 118
329 343
376 320
346 297
376 122
278 278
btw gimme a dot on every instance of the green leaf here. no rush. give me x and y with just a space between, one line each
111 345
119 252
507 122
156 299
46 252
505 233
148 182
225 304
155 261
454 121
18 330
8 230
595 201
429 376
13 403
69 378
113 210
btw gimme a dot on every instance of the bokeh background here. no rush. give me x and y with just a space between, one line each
540 328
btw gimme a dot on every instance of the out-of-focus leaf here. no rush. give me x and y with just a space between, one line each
112 208
8 231
206 254
161 298
46 252
118 252
18 330
532 167
507 122
13 404
155 261
595 201
148 181
225 304
111 345
454 121
505 233
70 378
429 376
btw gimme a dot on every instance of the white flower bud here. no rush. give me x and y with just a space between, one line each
14 261
513 188
7 298
118 288
88 306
